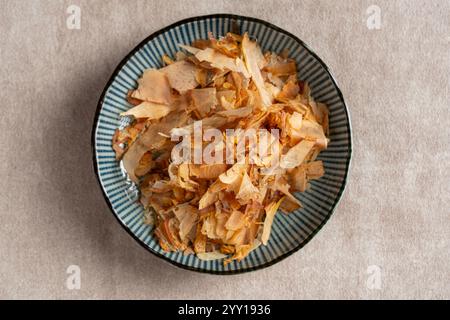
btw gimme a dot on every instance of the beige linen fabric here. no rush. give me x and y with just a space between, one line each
392 224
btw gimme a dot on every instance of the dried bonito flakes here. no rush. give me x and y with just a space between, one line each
222 209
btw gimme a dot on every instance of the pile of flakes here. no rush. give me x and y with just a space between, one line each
220 211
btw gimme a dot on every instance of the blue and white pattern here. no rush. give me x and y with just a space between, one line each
289 232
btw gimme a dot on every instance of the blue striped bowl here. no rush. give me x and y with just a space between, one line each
289 232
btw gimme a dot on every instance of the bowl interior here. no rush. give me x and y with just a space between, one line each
289 232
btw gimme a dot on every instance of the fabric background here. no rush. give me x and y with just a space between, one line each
393 217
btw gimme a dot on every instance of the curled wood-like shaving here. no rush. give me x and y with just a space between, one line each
153 87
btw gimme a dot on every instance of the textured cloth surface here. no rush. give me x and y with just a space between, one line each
389 236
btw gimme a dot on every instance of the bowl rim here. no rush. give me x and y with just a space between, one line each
239 18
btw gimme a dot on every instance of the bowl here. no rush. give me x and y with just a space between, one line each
289 232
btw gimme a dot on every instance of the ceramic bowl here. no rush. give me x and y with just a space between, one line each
289 232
